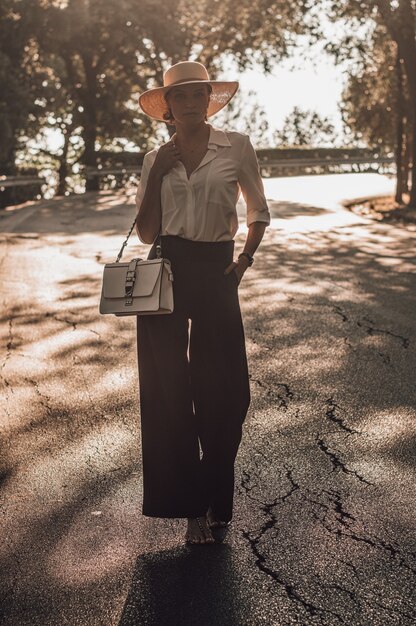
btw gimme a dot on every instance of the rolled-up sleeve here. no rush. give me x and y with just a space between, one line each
251 185
141 188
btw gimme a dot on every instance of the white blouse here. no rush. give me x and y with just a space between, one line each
203 208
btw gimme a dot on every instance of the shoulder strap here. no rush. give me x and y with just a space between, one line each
158 247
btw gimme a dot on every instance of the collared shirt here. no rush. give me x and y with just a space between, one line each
203 207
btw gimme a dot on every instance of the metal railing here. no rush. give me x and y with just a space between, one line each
282 166
92 172
19 181
325 164
18 189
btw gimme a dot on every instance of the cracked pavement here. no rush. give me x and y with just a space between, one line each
323 530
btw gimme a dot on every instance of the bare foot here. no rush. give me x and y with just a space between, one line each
214 522
198 531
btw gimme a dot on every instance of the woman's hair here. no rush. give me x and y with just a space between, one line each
168 117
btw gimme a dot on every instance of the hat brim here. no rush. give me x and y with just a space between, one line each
153 103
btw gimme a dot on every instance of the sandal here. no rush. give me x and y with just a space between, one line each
205 532
214 522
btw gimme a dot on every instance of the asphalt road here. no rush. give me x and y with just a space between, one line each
324 523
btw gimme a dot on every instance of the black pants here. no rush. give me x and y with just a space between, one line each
194 388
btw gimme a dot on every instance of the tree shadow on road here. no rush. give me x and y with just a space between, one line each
288 209
80 214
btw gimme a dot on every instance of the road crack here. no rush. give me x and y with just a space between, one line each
44 400
9 344
372 330
340 312
261 562
9 349
331 415
343 527
283 397
337 463
294 485
62 319
382 545
276 576
369 326
385 358
245 483
287 395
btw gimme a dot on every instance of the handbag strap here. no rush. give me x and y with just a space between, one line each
158 247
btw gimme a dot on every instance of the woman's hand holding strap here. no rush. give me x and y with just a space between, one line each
149 217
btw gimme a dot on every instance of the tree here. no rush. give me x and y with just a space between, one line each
246 115
112 51
398 20
305 128
19 86
99 55
375 106
93 47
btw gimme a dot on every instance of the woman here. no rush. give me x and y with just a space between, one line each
194 387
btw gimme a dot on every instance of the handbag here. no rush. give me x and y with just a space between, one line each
139 287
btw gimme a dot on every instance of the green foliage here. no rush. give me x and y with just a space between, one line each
253 122
93 49
305 128
81 64
379 38
364 47
369 104
18 83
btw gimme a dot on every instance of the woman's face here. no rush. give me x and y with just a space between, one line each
188 103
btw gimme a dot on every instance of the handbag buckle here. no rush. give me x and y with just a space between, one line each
129 286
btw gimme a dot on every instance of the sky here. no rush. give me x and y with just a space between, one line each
307 79
311 87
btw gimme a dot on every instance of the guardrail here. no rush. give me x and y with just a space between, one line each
92 172
17 189
278 166
294 165
19 181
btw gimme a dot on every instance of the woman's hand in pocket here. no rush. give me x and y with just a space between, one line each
238 268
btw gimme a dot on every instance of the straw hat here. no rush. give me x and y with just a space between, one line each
153 102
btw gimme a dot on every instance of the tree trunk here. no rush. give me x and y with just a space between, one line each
8 163
411 81
90 156
62 173
90 126
400 134
63 166
408 52
400 22
412 201
407 159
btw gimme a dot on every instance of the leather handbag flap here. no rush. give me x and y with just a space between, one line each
147 276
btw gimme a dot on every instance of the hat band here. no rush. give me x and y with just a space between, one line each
187 80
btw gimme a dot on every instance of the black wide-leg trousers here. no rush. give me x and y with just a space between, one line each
194 387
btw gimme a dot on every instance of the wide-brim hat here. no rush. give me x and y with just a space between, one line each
153 102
